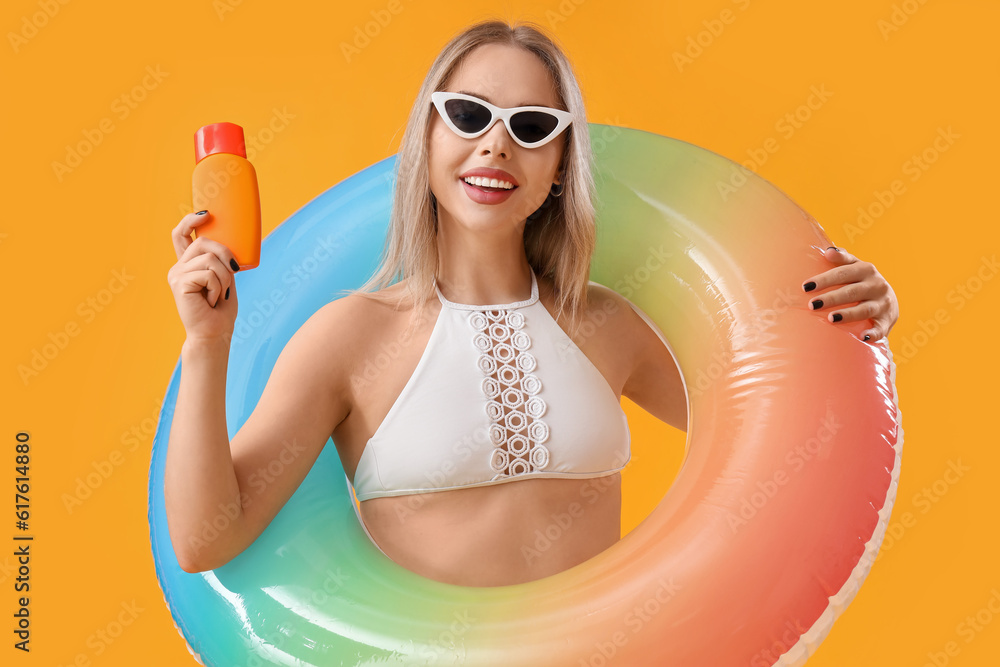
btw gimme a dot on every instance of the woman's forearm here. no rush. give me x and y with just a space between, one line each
202 494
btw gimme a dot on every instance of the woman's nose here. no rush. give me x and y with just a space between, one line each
496 139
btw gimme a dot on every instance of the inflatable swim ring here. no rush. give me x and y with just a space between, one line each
789 475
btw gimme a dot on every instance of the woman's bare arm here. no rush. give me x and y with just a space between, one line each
655 382
220 496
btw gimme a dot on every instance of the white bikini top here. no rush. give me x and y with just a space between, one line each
500 394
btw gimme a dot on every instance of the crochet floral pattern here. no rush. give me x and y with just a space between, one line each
511 390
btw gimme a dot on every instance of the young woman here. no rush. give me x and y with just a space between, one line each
482 292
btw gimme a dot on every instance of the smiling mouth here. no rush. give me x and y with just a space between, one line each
479 183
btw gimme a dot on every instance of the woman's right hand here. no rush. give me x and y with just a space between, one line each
202 282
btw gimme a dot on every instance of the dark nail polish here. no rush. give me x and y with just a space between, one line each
232 263
227 293
809 286
833 247
837 317
817 304
202 212
867 336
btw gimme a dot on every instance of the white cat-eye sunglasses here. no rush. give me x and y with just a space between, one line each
469 117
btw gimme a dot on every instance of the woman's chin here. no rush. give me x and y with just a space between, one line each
486 221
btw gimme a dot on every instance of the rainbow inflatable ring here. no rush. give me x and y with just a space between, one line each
789 476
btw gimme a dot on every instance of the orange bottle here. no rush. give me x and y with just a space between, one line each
225 183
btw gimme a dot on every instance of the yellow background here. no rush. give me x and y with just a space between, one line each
898 72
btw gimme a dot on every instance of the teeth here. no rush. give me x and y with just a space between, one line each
489 182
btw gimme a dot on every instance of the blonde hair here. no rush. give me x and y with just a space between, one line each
559 237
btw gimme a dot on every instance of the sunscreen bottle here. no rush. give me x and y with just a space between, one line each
225 183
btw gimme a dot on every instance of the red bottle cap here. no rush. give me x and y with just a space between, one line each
219 138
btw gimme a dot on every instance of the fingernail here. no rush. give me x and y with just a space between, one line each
837 317
809 286
232 263
867 336
202 212
227 293
834 248
817 304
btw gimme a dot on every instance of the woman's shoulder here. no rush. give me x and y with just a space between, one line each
360 319
603 298
346 329
606 314
362 313
621 322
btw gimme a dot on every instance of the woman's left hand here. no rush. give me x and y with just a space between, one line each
861 283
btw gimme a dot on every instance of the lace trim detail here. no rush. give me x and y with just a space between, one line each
511 390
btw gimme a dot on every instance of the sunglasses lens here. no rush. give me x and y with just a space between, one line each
471 117
468 116
533 126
